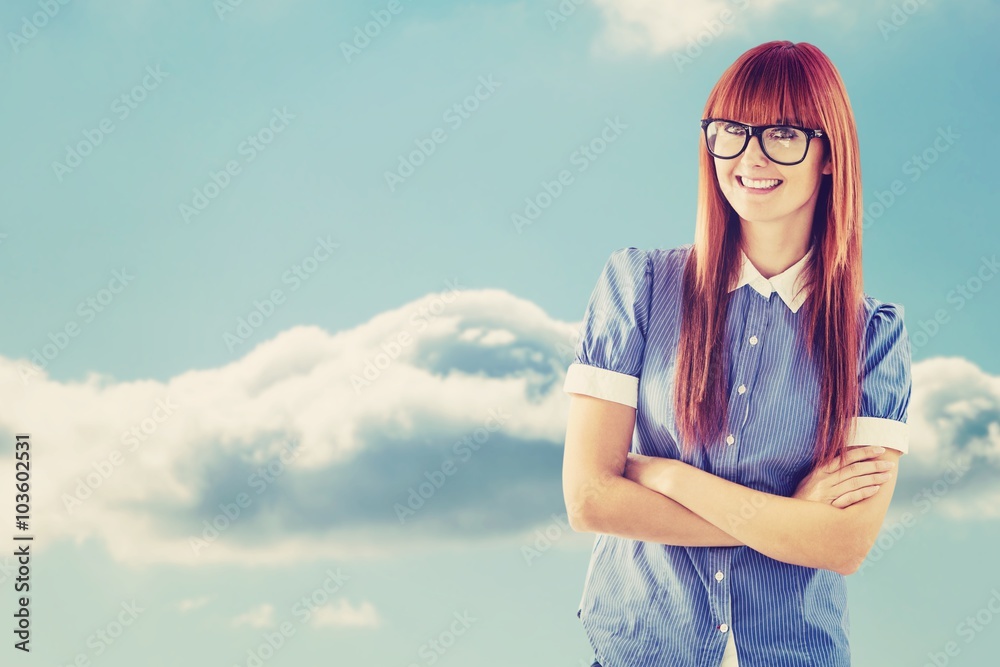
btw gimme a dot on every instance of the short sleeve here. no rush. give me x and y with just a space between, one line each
886 383
612 339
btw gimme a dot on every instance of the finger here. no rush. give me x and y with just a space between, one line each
875 479
861 481
860 462
852 497
855 454
839 462
866 468
859 468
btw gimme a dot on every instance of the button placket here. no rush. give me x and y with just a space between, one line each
757 323
748 358
721 602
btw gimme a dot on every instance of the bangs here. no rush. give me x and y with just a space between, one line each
769 87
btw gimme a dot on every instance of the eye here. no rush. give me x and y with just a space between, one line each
735 129
783 133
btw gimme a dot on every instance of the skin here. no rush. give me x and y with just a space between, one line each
792 530
834 517
775 226
831 522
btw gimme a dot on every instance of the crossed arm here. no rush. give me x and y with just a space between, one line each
670 502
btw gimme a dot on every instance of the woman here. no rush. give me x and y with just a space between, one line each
749 494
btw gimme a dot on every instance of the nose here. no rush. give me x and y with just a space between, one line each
754 153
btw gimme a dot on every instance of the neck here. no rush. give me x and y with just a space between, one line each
772 249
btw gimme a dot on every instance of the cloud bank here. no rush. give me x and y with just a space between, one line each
308 446
439 422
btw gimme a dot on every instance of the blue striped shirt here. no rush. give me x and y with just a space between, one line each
646 604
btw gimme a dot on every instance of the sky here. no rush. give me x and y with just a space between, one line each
265 274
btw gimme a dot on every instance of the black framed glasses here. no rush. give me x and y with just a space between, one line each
783 144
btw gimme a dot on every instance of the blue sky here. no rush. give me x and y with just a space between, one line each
171 173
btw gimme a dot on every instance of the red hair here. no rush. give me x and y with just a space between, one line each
778 82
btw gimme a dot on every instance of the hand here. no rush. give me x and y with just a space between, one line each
858 479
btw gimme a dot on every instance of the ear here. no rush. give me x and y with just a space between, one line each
828 166
827 161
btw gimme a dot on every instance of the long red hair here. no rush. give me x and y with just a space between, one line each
773 83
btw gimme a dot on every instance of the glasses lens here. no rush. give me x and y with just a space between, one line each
785 144
725 140
781 144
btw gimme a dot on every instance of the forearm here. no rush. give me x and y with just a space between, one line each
799 532
621 507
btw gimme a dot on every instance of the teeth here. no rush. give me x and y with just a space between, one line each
770 183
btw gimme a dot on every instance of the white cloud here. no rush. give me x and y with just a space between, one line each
207 437
261 616
689 28
657 26
340 614
193 603
465 427
954 457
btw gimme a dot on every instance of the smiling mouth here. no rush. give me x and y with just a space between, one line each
759 185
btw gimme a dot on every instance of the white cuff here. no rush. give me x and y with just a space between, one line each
602 383
880 433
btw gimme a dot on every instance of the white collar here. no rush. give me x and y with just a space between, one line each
788 284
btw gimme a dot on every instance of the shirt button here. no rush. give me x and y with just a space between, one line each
730 440
723 628
719 576
742 389
753 340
